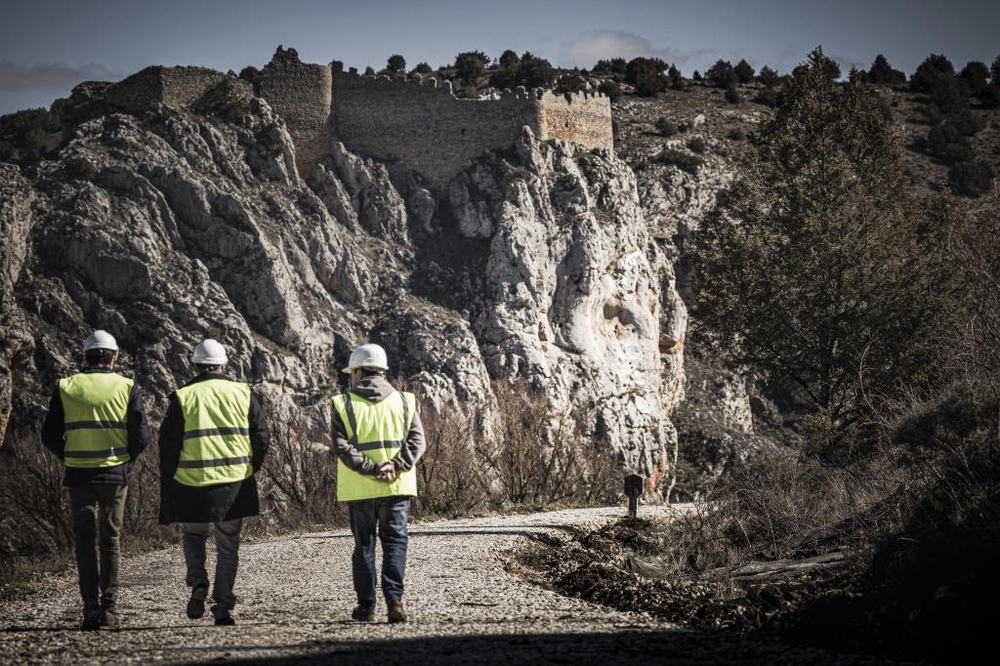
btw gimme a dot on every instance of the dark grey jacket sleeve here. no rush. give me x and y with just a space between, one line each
414 448
260 434
54 427
137 426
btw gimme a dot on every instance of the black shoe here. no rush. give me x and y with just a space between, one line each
226 621
363 614
196 605
396 612
91 621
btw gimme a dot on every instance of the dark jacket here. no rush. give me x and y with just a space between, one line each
209 504
376 389
137 427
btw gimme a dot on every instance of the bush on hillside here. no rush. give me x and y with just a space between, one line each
976 76
683 160
744 72
768 77
722 74
27 136
697 144
882 73
396 64
470 65
646 75
971 178
665 126
611 89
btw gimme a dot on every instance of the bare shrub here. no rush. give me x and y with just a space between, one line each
785 505
452 478
540 457
298 487
515 454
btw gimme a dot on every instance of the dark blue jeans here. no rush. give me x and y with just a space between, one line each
385 518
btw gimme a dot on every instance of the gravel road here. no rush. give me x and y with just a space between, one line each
295 595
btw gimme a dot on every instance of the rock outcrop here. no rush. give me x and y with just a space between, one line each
167 225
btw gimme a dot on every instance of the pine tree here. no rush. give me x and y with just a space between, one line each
821 269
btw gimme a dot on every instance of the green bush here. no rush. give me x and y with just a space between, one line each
768 76
736 134
665 126
508 59
570 83
470 65
971 178
744 72
825 172
733 95
722 74
697 144
881 73
682 160
646 75
611 89
396 64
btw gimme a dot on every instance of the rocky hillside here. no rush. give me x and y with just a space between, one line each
543 262
169 225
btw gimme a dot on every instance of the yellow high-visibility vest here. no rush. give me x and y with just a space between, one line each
95 408
378 430
216 446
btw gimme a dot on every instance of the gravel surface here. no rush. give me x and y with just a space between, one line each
295 600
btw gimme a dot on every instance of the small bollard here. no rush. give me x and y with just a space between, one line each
633 488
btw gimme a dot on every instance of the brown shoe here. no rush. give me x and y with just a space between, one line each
363 614
110 619
396 612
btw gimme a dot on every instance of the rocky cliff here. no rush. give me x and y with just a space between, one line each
167 225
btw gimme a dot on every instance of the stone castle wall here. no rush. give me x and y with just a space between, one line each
176 86
583 118
424 127
301 94
413 124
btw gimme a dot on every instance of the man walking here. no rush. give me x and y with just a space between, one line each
96 424
213 440
378 439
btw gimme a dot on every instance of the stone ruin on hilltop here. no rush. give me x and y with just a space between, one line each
413 123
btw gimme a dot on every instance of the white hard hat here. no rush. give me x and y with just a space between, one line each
367 356
209 352
100 340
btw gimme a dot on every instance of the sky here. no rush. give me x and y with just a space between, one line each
46 48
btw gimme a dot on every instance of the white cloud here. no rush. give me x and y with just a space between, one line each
586 50
50 76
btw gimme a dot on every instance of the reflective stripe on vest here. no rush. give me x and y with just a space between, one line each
216 446
95 408
377 429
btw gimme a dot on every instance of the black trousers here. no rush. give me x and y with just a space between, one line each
96 511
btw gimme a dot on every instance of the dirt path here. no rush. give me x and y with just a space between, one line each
296 598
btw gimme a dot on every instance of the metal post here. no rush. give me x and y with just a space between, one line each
633 488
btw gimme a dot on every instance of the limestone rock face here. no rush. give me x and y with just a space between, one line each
572 294
169 226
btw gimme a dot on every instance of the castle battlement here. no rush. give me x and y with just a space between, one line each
413 122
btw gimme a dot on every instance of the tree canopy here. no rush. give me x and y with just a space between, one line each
821 269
